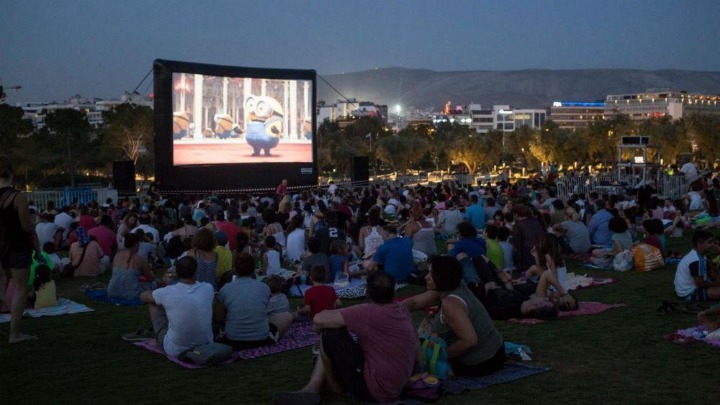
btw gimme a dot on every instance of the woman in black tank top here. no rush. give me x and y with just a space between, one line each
17 240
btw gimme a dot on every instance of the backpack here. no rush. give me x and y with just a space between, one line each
647 257
433 356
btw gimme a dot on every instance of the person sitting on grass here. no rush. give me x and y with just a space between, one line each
315 256
475 347
695 278
44 286
319 297
548 258
376 367
131 273
338 260
271 257
278 301
203 245
181 313
620 241
242 305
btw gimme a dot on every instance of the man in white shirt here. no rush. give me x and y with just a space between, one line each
181 313
64 220
695 279
145 226
690 172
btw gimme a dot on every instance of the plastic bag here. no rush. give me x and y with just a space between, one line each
623 261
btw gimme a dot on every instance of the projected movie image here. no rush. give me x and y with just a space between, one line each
228 120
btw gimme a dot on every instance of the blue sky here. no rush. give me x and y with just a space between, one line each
100 48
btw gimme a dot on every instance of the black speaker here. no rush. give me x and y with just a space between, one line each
124 177
635 140
360 169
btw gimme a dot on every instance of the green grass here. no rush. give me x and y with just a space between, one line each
615 357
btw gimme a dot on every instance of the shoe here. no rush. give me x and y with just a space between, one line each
138 336
296 398
316 350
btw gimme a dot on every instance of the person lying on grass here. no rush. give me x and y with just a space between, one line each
475 347
378 365
710 319
528 300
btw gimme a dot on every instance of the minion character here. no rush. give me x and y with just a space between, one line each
223 126
181 122
265 123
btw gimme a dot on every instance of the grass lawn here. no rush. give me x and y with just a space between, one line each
615 357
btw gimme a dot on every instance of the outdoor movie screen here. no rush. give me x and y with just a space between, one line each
218 119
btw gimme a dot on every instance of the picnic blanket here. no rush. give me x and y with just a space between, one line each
692 335
64 306
300 334
578 282
509 373
586 308
101 295
353 290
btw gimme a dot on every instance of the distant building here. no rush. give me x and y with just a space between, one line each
347 110
655 104
500 118
93 108
576 114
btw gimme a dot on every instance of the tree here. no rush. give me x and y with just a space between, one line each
12 125
667 135
70 136
705 133
467 147
401 150
129 129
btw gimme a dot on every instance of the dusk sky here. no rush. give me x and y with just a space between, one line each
101 48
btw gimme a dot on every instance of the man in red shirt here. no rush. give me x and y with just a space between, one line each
377 367
230 228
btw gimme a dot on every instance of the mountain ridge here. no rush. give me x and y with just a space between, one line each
527 88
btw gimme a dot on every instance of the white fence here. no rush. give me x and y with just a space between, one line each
66 196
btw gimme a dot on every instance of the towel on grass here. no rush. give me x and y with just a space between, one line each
579 282
64 306
509 373
102 296
457 385
300 334
694 334
354 290
586 308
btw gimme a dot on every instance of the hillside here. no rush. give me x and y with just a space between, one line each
522 88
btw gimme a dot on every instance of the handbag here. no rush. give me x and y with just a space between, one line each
68 271
208 354
433 356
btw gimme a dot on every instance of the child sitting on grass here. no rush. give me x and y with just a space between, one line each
278 301
319 297
548 259
271 257
44 285
338 260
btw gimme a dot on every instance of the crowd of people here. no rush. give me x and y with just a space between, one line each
214 268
